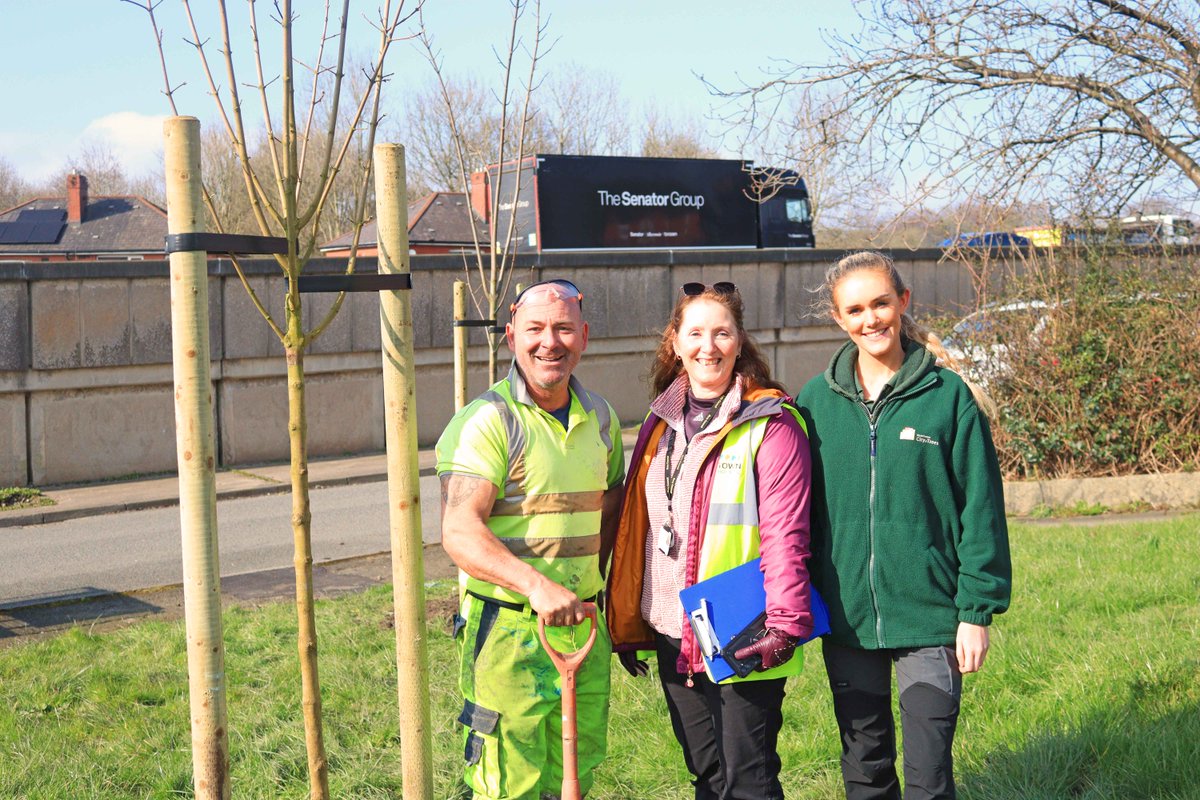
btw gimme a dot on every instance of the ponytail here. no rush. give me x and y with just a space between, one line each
914 331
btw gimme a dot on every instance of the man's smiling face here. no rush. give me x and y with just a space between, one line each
548 336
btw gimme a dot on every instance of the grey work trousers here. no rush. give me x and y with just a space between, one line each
930 687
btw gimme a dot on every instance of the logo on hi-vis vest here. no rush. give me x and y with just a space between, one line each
730 461
911 435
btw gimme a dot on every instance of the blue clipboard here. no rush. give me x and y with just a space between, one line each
721 607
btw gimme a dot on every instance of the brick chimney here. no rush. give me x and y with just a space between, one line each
77 197
479 195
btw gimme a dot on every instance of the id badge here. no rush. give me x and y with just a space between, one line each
666 538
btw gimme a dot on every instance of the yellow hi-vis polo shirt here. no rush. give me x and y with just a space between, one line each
550 481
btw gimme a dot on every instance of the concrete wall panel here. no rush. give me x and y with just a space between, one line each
14 464
14 327
801 304
345 413
105 323
337 337
253 424
638 302
98 434
150 321
364 322
798 362
623 380
56 325
432 299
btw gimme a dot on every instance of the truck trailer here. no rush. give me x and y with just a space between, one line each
569 203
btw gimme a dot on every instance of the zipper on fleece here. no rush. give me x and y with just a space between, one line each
871 426
874 412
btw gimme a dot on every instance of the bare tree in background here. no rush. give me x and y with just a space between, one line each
580 111
13 188
228 205
447 118
1081 104
488 268
291 185
666 137
106 176
576 110
807 139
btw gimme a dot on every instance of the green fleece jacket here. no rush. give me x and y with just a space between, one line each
908 529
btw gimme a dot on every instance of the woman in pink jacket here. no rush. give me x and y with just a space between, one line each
719 427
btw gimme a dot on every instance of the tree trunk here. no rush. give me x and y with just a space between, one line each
404 492
306 624
494 339
196 458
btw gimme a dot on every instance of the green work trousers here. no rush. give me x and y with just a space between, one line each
512 710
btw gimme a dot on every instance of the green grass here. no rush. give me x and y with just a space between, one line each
12 497
1091 692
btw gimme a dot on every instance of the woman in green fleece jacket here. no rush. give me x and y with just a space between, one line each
909 541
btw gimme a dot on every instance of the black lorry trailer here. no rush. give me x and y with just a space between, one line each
633 203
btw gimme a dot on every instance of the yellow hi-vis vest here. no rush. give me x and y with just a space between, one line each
731 534
548 511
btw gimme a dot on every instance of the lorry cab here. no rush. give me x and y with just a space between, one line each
785 218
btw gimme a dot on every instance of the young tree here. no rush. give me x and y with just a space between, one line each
1082 104
291 185
488 268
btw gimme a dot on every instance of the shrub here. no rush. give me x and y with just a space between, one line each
1107 382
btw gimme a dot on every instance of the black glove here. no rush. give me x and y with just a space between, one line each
775 648
629 661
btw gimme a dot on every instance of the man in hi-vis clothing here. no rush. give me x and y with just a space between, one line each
531 475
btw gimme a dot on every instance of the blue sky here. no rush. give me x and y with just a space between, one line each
89 71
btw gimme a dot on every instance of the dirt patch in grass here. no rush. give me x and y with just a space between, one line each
13 497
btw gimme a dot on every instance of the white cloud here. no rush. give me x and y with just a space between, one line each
135 139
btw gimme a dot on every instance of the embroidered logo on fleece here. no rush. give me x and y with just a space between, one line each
911 435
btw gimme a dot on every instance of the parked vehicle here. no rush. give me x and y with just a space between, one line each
982 341
1157 229
987 239
1136 230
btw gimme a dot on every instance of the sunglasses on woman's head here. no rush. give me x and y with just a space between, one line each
560 288
694 288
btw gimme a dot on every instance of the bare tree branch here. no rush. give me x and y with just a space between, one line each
1077 103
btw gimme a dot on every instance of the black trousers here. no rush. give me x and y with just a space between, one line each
728 732
930 688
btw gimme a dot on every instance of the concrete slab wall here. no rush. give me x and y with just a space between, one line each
85 350
101 432
14 462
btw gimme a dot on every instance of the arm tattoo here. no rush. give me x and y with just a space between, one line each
457 489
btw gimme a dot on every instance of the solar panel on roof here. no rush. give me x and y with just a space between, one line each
45 232
34 226
15 232
39 215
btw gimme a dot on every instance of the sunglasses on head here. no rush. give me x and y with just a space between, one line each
694 288
562 288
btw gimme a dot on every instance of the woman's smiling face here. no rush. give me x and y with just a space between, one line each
866 306
708 346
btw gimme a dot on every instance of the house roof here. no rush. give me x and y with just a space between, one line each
124 225
437 218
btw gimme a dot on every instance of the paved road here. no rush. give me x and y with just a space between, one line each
140 549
